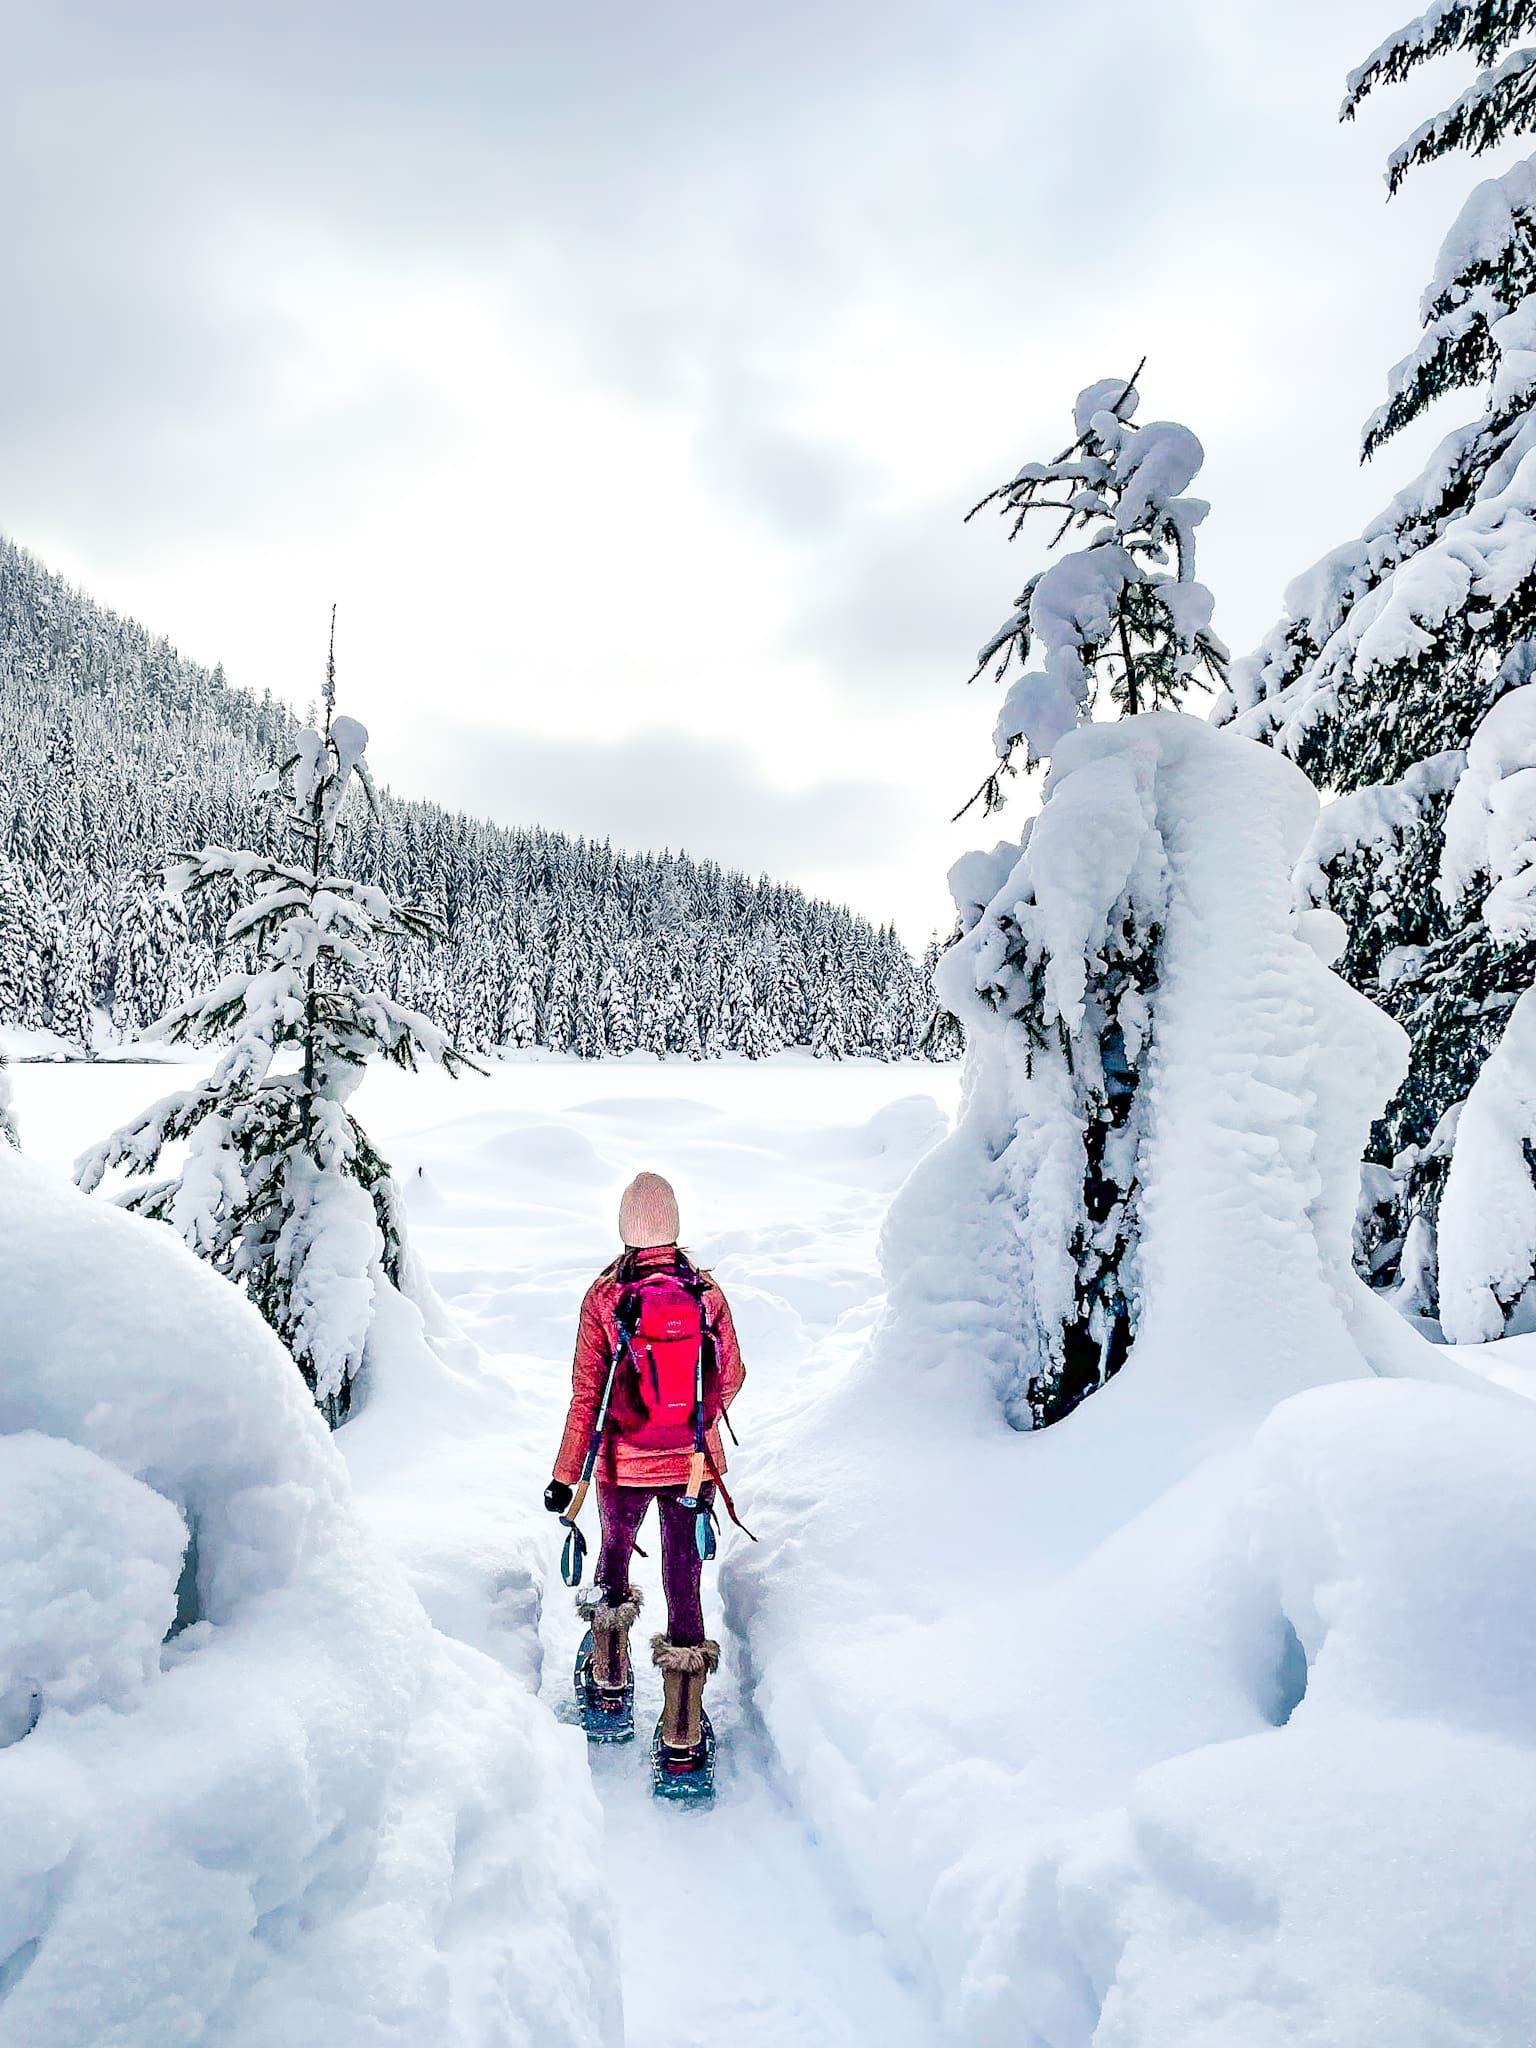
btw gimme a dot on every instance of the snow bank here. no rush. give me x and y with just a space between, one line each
1356 1873
250 1795
1262 1076
1205 1715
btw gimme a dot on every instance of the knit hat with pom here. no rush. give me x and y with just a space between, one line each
648 1213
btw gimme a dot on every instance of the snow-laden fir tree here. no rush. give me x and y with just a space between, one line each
618 1012
1055 974
14 943
520 1023
1396 648
829 1034
1119 617
8 1132
67 978
281 1188
941 1035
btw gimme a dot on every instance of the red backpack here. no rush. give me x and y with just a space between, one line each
666 1350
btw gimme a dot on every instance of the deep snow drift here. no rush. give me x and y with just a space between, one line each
1204 1717
249 1795
1123 1733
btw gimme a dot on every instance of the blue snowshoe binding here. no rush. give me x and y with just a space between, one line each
685 1775
607 1708
683 1747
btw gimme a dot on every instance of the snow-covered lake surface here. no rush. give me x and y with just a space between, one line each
735 1927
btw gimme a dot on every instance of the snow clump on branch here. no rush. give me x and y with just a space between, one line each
1122 613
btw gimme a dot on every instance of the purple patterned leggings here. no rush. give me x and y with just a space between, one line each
621 1510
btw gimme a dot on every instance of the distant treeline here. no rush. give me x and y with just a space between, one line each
116 754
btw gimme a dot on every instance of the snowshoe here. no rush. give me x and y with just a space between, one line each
607 1714
686 1776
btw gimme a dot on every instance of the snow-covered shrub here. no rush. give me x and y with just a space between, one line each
1395 646
281 1188
250 1796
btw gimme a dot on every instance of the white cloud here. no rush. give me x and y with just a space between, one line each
629 371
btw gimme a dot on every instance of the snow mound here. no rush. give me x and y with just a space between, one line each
250 1794
1262 1074
1204 1716
89 1562
1252 1762
1383 1523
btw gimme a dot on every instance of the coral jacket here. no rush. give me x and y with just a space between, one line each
597 1337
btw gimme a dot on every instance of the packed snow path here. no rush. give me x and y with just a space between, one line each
732 1927
734 1924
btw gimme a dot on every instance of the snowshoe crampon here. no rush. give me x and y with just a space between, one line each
607 1713
688 1776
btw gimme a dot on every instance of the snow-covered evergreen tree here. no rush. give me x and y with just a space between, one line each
743 1026
8 1132
1396 647
520 1021
67 976
1055 969
940 1035
681 1005
829 1033
1119 616
281 1188
14 942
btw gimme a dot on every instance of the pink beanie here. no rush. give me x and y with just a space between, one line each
648 1213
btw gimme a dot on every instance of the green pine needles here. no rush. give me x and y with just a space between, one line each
1398 646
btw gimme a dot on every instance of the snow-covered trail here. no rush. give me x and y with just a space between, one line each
732 1925
735 1925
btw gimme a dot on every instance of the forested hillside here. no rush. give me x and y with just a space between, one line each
115 753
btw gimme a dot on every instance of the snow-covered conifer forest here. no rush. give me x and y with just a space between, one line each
117 757
1135 1645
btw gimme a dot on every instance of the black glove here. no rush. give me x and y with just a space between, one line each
558 1496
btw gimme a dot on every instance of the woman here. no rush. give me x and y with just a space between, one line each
662 1331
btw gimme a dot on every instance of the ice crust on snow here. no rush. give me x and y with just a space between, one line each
303 1816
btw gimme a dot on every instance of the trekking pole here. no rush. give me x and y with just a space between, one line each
703 1524
574 1550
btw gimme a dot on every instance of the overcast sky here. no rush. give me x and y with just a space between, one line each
624 372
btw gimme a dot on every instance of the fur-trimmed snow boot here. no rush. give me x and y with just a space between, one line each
683 1753
605 1679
